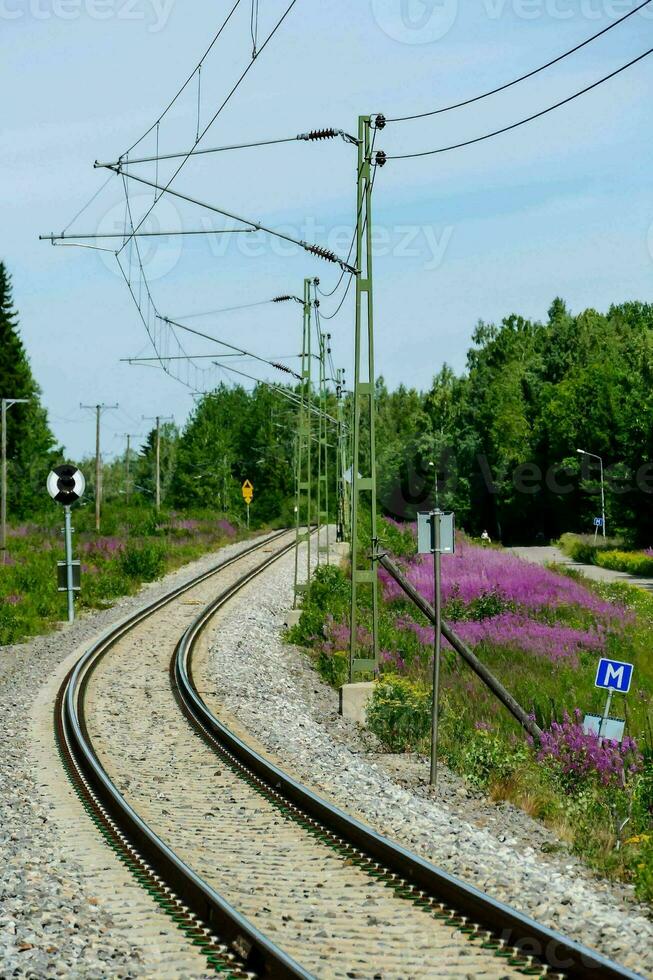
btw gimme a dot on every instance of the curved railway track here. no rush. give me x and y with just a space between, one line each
265 878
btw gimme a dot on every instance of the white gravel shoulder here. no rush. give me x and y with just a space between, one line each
273 691
51 924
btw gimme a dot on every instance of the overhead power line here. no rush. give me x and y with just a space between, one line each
521 122
522 78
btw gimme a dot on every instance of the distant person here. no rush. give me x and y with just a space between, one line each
485 538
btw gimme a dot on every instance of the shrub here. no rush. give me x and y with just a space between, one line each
329 592
399 713
334 666
146 561
639 861
633 562
487 757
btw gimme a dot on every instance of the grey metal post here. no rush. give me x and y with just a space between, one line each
437 644
606 715
602 500
98 469
68 538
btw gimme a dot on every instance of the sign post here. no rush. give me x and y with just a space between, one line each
436 534
598 522
66 485
68 539
612 675
248 496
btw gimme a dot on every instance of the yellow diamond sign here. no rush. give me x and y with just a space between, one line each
248 492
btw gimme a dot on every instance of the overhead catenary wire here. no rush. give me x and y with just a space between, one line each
521 122
224 343
521 78
170 104
231 309
286 392
215 115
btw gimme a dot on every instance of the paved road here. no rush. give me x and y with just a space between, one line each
541 555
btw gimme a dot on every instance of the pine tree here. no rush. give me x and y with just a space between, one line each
30 443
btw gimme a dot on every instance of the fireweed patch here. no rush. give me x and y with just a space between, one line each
541 632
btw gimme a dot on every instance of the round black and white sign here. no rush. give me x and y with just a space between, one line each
66 484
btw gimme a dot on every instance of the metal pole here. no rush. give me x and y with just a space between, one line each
303 448
68 538
364 397
248 517
602 498
606 715
158 464
325 429
319 503
437 643
98 474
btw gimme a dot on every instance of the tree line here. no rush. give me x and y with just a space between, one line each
497 443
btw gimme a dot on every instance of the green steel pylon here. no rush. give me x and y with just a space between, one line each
341 459
363 474
323 448
303 504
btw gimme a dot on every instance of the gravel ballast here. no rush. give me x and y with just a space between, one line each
52 922
271 689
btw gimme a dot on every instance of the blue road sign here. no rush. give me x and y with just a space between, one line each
598 522
613 675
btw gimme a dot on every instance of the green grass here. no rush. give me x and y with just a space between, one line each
136 545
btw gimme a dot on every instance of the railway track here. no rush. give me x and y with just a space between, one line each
265 878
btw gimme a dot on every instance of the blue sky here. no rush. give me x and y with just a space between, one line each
560 207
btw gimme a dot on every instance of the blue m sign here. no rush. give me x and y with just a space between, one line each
614 675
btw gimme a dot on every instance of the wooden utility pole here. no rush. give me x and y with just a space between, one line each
128 436
157 466
98 409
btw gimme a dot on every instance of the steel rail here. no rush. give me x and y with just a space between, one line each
416 876
512 934
207 912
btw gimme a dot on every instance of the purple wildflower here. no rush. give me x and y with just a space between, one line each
578 755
